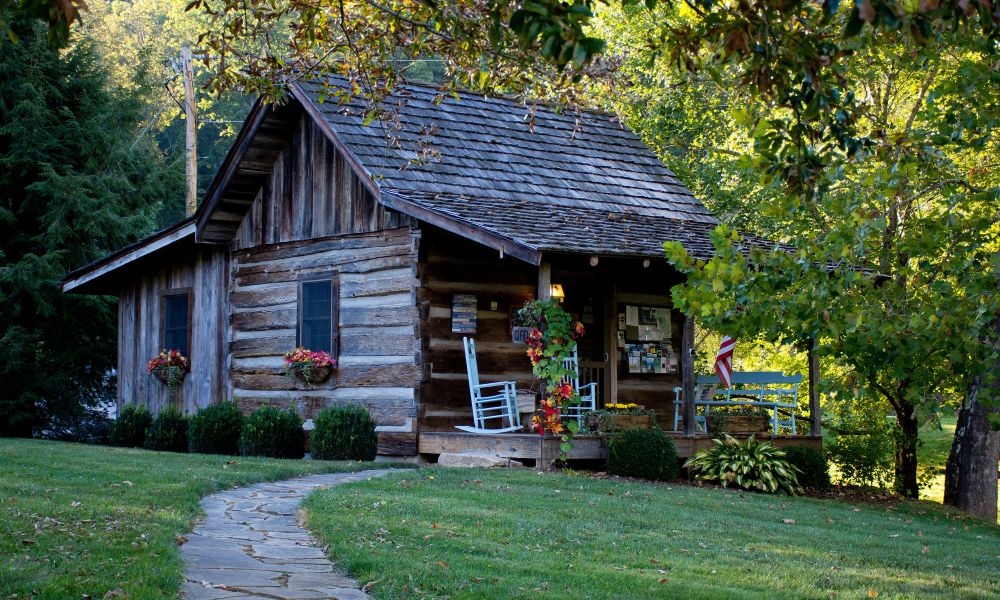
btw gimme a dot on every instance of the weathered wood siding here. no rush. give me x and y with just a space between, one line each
140 337
452 265
312 193
378 360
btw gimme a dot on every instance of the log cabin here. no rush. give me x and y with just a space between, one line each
385 244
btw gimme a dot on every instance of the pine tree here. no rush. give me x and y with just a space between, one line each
77 180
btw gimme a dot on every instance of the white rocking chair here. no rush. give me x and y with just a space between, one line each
587 392
490 401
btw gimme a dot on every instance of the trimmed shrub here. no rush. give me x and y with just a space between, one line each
815 471
344 433
169 432
644 453
864 458
750 465
273 432
216 429
129 429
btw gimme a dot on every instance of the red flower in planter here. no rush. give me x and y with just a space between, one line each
169 358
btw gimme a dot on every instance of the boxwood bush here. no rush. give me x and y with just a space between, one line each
643 453
273 432
216 429
168 432
344 433
129 429
813 466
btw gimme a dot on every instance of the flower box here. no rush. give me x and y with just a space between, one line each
610 423
166 374
311 367
743 424
314 375
170 367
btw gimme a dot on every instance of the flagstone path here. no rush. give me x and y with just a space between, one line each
251 545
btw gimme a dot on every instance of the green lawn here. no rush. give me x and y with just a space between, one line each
498 533
933 455
79 521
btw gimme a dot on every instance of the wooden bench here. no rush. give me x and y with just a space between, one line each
772 390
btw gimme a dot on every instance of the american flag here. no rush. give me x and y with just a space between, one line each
724 360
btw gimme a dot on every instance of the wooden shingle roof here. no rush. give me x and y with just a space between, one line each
491 151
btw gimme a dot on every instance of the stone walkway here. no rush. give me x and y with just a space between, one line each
251 545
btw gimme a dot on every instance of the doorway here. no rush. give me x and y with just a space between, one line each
588 300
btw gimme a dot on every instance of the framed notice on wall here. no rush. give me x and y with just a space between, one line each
646 339
463 313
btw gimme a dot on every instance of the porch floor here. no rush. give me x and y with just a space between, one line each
585 447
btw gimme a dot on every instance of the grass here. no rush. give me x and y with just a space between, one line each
932 455
81 521
497 533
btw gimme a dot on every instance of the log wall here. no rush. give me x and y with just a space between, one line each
378 352
312 193
140 337
452 265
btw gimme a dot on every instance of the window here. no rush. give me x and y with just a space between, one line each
317 320
176 322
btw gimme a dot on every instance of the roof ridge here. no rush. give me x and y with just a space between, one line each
510 98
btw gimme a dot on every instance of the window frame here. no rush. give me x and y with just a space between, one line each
189 294
334 280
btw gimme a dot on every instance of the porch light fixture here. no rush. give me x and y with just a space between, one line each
556 291
645 264
594 260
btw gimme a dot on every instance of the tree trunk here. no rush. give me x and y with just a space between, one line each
906 452
970 481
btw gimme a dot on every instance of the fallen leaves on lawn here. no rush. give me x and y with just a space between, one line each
788 521
368 586
872 594
442 563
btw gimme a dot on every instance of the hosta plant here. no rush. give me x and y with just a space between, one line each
750 465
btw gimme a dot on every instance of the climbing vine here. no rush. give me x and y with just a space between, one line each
550 345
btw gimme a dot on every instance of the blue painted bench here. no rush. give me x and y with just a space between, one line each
771 390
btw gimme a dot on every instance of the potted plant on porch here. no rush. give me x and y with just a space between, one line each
310 367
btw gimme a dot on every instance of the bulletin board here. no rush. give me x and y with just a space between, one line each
644 339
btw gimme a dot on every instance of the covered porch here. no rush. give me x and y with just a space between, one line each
637 348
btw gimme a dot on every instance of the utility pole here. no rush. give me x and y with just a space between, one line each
191 133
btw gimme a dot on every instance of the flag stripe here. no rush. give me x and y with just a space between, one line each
724 360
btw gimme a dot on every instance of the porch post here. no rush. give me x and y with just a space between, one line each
815 426
687 375
544 280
